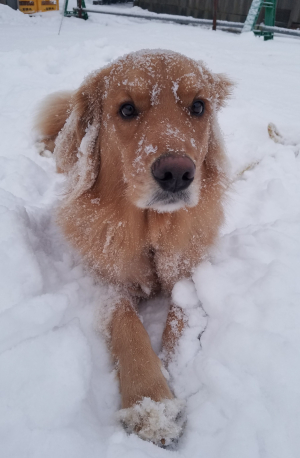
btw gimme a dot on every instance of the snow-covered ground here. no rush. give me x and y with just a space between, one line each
241 380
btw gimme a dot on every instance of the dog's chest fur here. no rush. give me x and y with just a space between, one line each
140 250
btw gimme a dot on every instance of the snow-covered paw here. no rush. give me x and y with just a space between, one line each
159 422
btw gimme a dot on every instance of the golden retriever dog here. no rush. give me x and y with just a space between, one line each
142 151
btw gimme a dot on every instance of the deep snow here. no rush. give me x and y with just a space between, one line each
58 391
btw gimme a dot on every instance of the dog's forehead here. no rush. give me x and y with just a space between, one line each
145 70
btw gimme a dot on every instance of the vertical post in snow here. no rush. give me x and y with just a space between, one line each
215 14
79 5
63 14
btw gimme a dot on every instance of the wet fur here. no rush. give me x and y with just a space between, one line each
142 251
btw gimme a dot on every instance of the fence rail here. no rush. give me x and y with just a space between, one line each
237 26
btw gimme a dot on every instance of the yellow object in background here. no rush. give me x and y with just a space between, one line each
48 5
28 6
34 6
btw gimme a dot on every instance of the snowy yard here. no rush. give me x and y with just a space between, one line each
58 390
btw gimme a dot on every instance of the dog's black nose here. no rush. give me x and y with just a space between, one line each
173 173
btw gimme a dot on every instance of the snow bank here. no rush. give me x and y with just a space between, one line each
10 16
238 362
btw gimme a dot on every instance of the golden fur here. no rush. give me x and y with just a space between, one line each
107 214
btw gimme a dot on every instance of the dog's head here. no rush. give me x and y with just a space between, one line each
146 127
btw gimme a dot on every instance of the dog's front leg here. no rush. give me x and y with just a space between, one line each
148 406
176 321
139 367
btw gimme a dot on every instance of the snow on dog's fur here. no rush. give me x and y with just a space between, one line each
140 144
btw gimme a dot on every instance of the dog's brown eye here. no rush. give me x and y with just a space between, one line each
197 108
128 110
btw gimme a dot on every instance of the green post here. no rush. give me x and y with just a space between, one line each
75 11
270 12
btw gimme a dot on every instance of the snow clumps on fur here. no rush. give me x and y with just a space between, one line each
159 422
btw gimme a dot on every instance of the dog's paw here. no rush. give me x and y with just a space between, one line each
159 422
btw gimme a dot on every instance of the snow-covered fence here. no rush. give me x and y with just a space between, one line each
287 12
167 18
225 25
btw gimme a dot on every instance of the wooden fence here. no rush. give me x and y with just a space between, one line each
287 12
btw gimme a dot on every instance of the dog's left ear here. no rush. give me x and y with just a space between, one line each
222 88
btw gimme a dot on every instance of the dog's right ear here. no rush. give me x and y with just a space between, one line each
222 88
77 149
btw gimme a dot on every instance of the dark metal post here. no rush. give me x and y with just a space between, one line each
79 5
215 14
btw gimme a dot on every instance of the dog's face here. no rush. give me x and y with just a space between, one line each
157 115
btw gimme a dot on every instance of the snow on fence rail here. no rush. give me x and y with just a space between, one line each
294 33
167 18
191 21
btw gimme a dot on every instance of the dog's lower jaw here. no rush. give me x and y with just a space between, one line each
166 202
162 207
